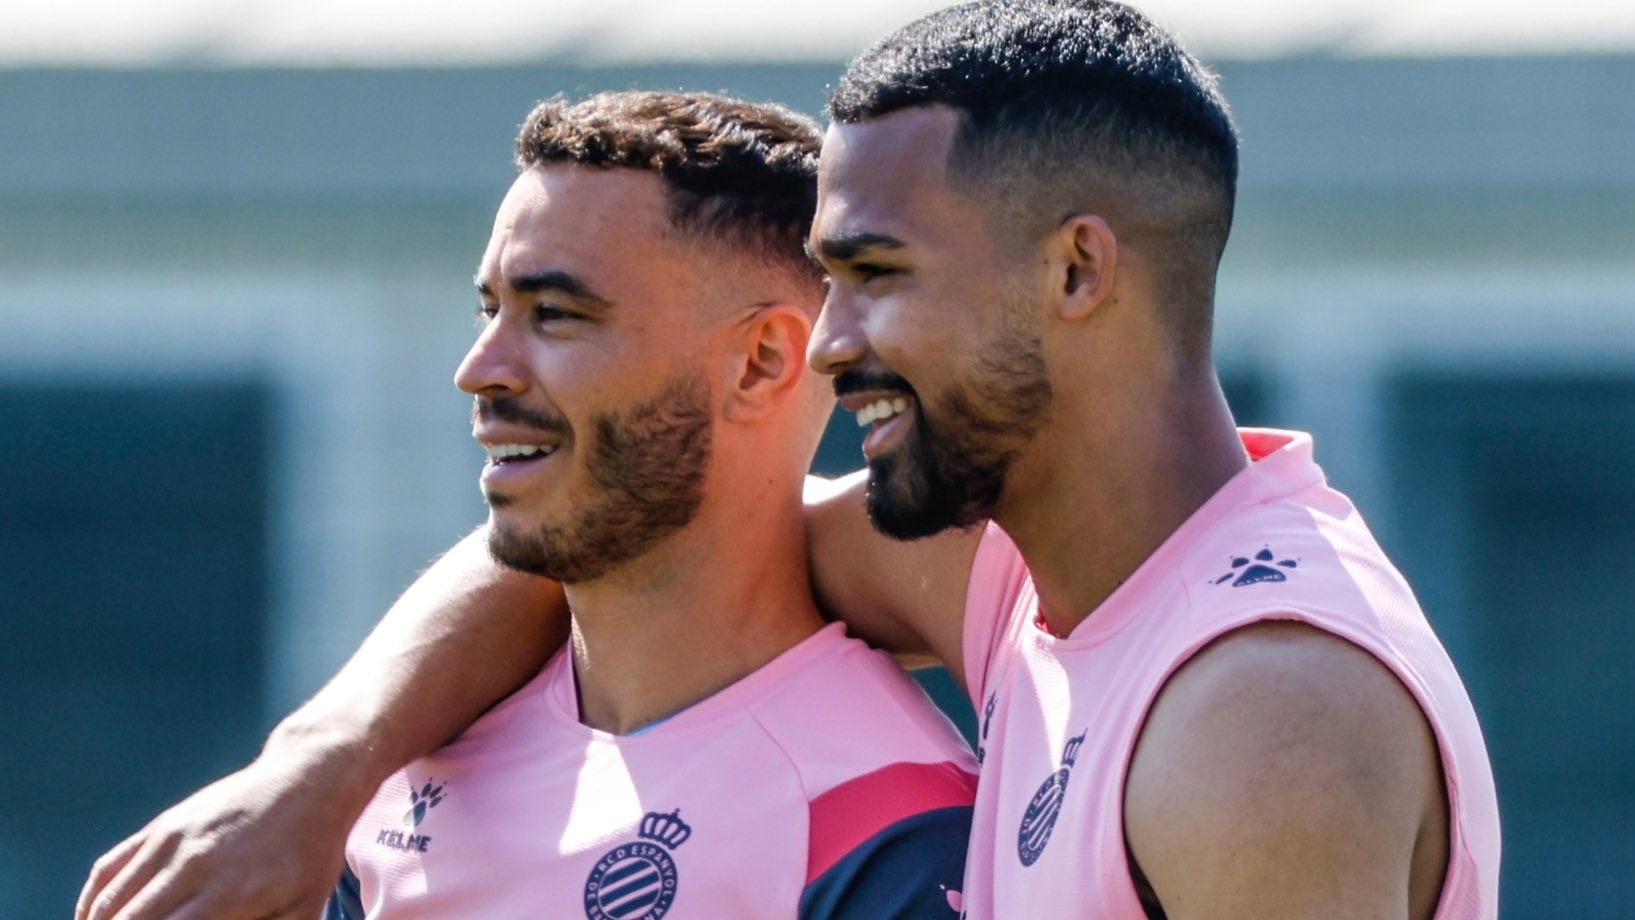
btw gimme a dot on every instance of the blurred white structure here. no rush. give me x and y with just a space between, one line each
478 32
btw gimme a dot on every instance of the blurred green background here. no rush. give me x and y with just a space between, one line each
231 300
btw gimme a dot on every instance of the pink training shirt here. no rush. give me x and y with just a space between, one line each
824 784
1059 717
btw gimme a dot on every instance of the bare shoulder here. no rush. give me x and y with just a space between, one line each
1284 771
907 597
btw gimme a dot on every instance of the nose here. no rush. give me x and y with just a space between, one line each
492 365
837 339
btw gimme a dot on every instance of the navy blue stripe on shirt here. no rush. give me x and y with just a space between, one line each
911 870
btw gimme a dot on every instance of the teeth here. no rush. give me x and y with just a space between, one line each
881 410
507 451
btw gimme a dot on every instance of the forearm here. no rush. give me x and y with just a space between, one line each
465 635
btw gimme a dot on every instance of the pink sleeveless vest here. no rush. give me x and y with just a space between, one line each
1058 718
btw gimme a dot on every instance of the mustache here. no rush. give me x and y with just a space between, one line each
507 409
857 380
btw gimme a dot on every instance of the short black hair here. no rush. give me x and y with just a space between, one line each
1061 100
742 173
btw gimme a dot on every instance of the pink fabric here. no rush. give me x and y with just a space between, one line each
532 814
1059 717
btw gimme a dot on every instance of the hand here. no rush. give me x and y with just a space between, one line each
264 842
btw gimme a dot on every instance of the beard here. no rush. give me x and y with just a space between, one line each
950 473
647 466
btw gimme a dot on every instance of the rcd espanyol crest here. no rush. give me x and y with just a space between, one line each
637 881
1040 818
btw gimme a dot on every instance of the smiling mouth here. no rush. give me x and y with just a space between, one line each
502 454
885 420
883 409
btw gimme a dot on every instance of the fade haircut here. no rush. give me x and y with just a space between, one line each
1066 105
739 173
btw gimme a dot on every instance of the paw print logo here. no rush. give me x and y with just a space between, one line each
1254 571
424 800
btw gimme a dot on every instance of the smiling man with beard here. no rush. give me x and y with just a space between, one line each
1203 691
641 392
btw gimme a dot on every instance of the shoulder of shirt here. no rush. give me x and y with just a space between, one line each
1290 554
853 711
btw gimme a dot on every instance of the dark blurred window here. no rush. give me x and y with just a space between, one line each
132 583
1519 536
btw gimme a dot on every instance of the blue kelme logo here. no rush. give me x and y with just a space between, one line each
1254 571
421 801
427 798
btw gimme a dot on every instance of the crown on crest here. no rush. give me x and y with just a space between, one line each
668 829
1071 751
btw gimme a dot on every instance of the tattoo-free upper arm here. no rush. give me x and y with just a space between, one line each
1284 772
907 597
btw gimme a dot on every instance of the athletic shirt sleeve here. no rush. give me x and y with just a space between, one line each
890 844
997 577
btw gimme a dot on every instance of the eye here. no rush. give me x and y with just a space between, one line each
485 313
547 313
868 271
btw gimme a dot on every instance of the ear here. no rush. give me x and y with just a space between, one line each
1089 252
769 360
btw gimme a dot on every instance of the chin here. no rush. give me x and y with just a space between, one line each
911 495
507 527
513 546
901 504
502 530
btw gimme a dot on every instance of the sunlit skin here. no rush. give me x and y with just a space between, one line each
903 258
592 304
971 370
565 332
917 296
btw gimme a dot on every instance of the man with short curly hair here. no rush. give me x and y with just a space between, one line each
641 392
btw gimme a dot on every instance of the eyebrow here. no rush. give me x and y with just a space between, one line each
559 282
847 247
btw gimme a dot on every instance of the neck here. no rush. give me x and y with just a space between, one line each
711 604
1086 509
